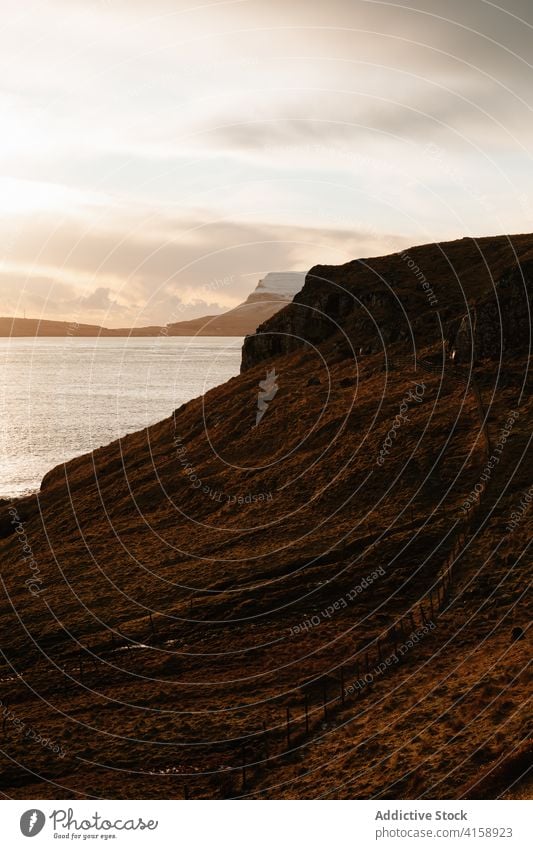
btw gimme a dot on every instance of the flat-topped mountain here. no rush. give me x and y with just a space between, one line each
282 285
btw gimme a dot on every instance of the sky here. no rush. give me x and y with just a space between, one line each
158 157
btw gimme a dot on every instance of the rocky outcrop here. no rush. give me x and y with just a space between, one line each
423 297
500 323
325 308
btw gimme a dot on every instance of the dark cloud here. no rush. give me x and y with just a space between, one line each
98 300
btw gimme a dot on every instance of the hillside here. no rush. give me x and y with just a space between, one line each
29 327
324 605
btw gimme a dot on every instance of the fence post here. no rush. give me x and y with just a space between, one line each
243 766
265 741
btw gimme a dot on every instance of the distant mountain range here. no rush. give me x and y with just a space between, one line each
271 294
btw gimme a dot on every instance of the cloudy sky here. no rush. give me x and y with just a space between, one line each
159 156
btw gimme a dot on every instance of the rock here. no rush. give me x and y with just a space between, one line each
499 323
383 301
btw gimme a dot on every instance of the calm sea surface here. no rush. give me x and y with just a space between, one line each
64 397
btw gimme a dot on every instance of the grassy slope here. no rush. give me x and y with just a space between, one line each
110 544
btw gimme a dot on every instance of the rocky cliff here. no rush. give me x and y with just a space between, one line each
500 323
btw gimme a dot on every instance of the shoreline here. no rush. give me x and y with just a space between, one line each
24 478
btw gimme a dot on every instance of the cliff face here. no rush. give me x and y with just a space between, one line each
425 296
500 323
323 309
